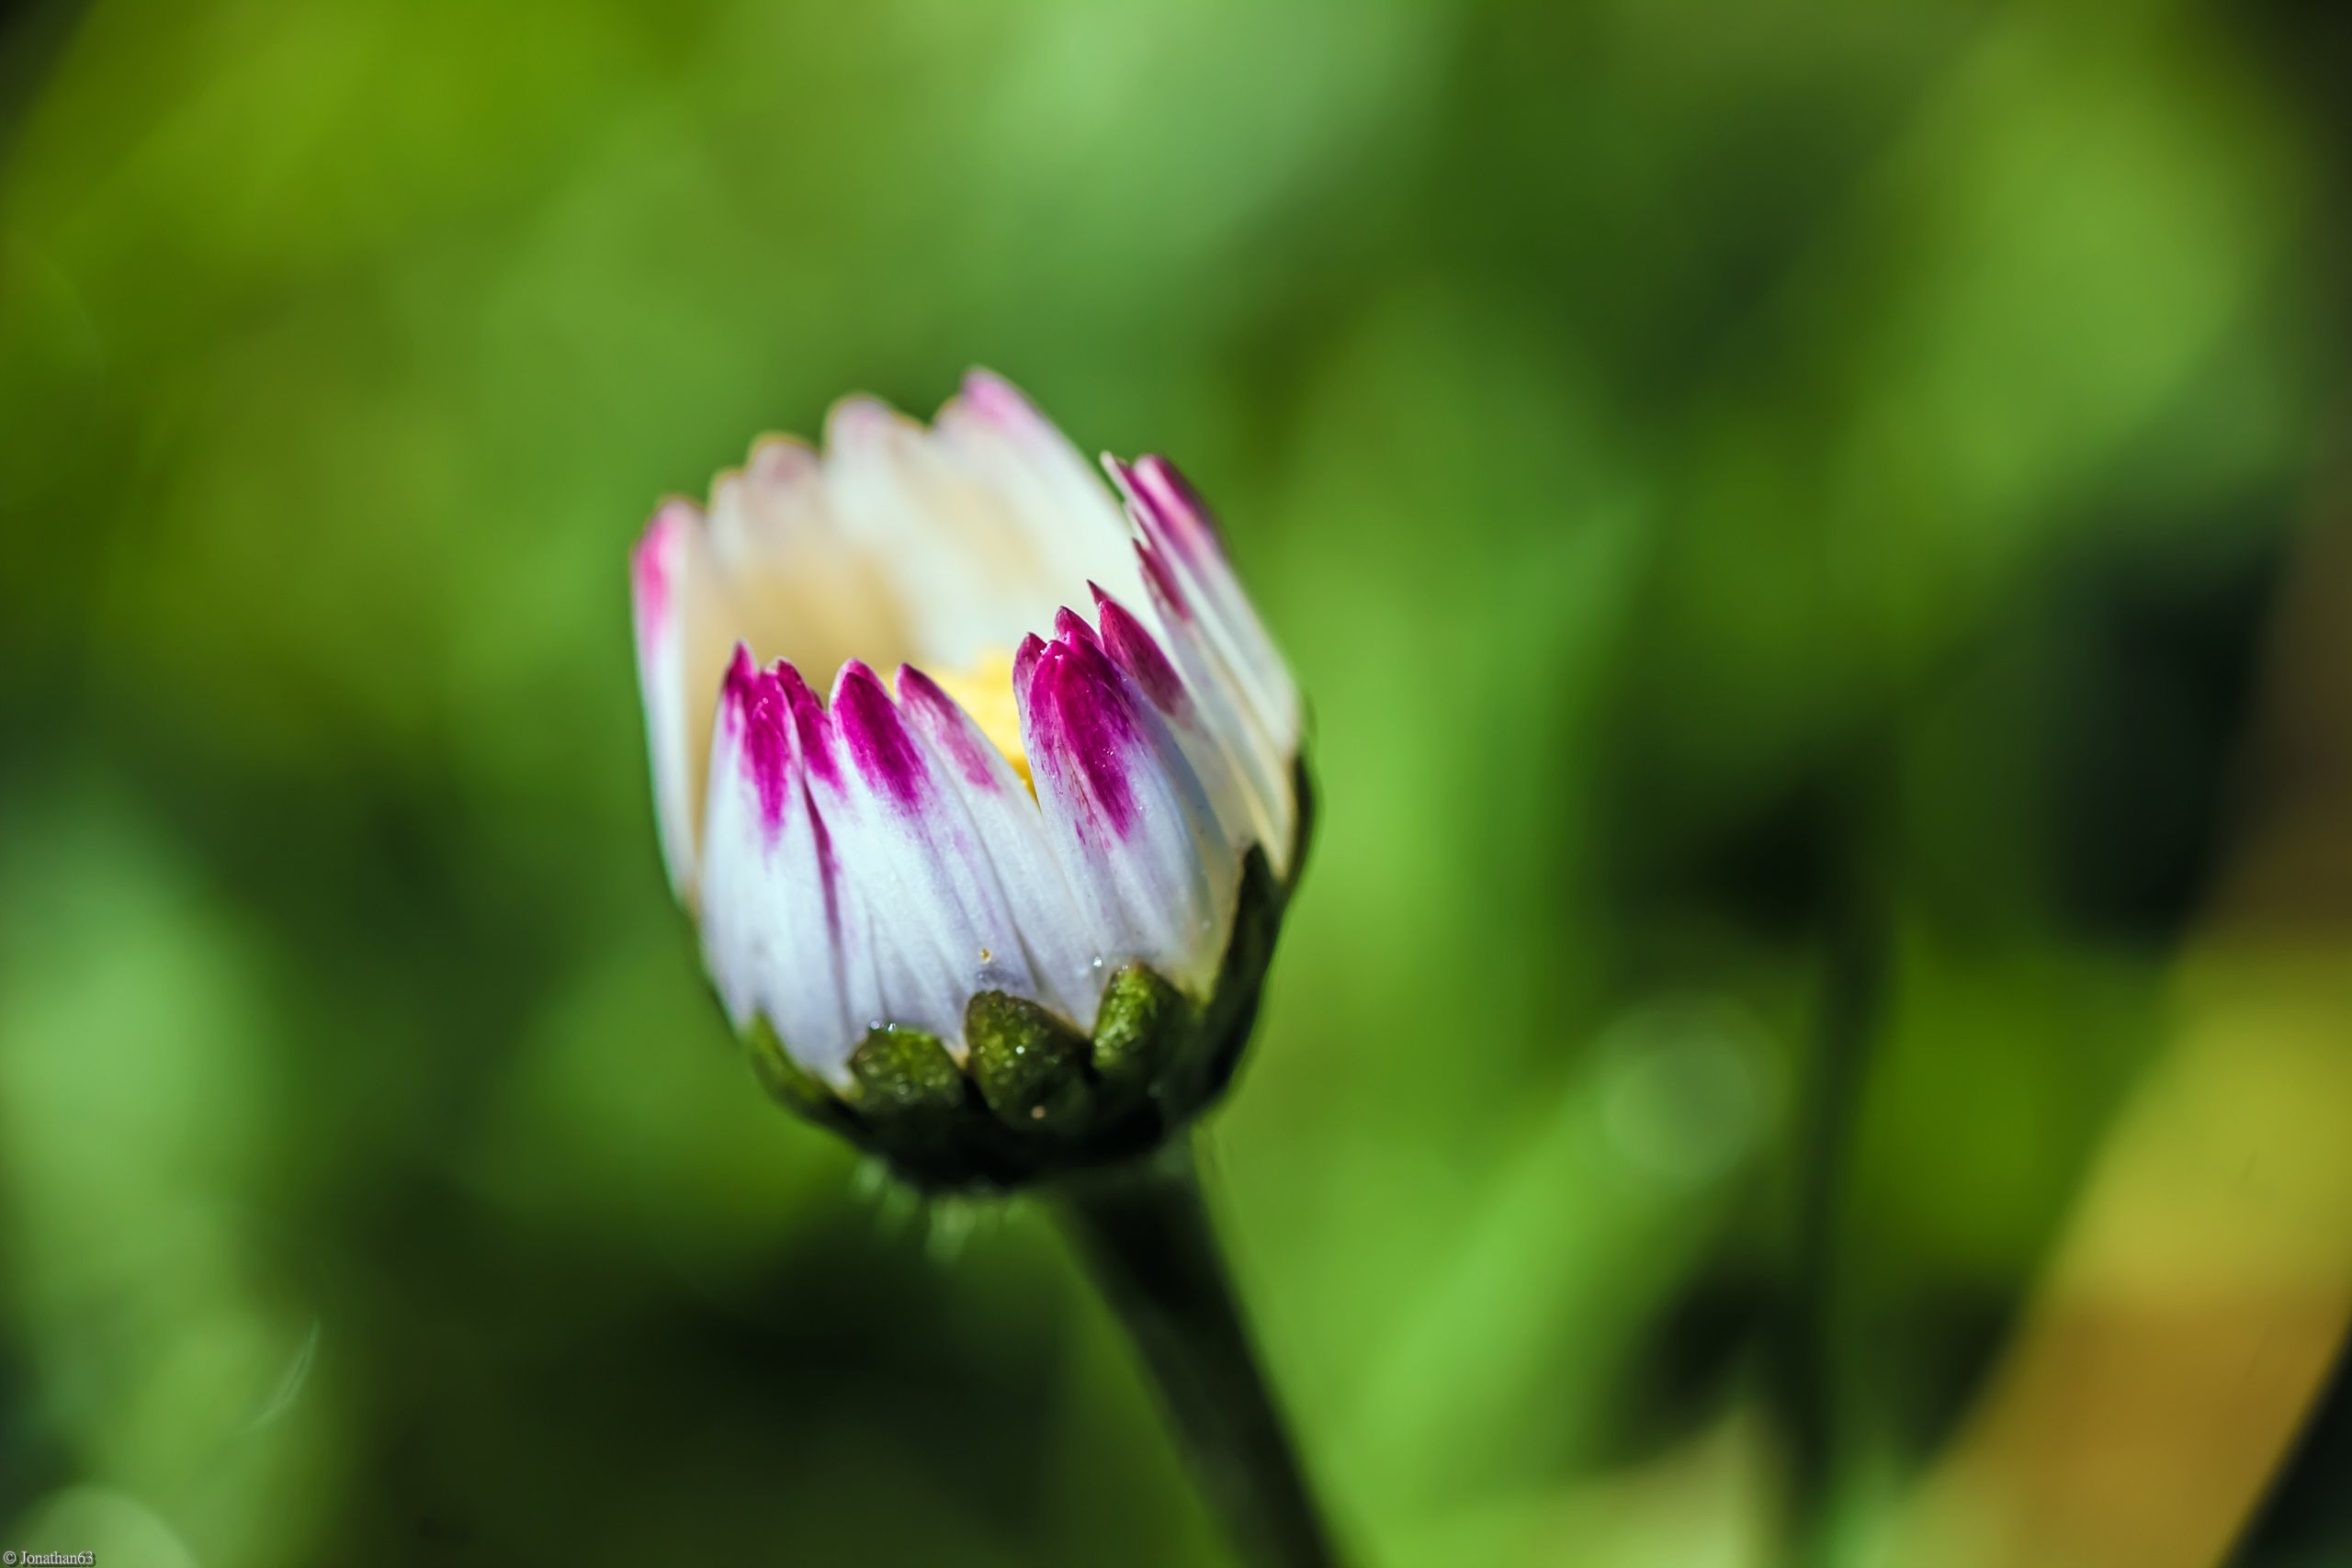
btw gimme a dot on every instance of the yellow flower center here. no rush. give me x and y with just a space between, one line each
984 689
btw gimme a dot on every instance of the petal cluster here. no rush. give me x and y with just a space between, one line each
870 856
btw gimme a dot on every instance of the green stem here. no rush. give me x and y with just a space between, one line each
1145 1236
1814 1400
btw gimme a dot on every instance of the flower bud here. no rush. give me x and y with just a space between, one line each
1007 918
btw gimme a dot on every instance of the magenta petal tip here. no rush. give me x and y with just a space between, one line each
1165 590
1134 649
1089 731
811 725
855 671
757 704
946 725
742 671
874 736
653 561
990 396
1025 667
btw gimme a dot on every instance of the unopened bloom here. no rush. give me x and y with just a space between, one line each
1003 909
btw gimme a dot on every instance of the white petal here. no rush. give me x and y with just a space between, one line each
806 588
972 576
1059 942
684 629
1060 498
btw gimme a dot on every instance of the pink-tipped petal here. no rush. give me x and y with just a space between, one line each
1132 647
1205 725
1217 643
812 726
753 704
876 742
1173 496
1025 661
992 397
1166 593
1205 591
1124 812
1261 754
783 931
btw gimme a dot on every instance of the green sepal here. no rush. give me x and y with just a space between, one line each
1140 1028
1029 1065
791 1084
904 1078
1213 1052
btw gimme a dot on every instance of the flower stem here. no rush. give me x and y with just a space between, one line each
1145 1236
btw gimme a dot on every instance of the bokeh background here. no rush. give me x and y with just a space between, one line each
1819 1024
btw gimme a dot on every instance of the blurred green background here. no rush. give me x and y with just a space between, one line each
1781 511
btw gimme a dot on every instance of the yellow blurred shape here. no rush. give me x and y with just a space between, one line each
2194 1306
